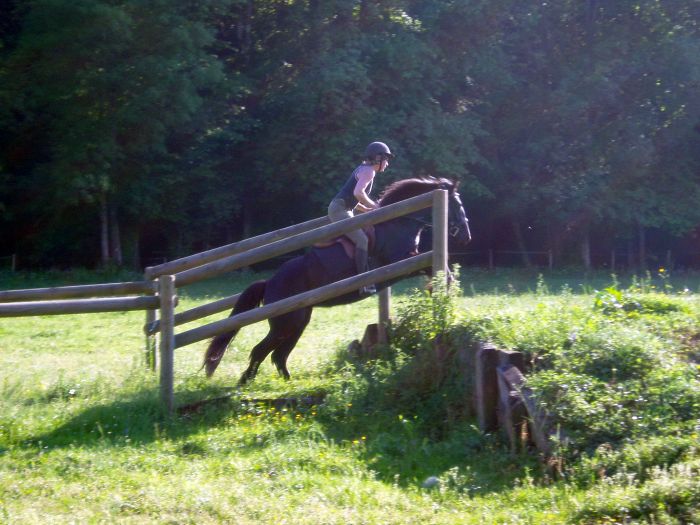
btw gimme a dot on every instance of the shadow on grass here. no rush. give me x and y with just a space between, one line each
138 418
411 420
403 436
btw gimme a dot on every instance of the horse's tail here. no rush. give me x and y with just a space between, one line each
249 299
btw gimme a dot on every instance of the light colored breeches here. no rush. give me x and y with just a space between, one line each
337 212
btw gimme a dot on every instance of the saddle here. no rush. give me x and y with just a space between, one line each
348 245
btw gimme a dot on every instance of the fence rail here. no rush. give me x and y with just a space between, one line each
78 306
84 290
198 312
198 259
301 240
310 298
159 295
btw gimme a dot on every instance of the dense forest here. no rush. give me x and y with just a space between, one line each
132 129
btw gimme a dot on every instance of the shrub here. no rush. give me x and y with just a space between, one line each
670 496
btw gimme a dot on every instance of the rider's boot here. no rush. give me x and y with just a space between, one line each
361 263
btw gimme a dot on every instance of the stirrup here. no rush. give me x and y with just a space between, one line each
368 290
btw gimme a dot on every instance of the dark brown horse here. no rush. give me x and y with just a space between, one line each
395 239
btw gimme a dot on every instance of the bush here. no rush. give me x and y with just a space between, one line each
610 375
672 496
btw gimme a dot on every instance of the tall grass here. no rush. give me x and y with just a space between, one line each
82 439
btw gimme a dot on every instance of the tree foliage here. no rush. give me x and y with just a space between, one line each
132 127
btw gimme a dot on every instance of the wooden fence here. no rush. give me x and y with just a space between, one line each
501 399
157 292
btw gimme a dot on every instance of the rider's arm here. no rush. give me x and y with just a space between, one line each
364 178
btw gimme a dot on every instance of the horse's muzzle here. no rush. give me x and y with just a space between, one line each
462 236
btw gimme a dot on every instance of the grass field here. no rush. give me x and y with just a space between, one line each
82 439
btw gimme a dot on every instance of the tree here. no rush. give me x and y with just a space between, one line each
116 91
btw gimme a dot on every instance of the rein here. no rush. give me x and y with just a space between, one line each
452 230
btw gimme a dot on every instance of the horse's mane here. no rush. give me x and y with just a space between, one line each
407 188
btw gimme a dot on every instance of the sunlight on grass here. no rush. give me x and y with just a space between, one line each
82 437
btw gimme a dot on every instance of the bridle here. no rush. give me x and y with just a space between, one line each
452 228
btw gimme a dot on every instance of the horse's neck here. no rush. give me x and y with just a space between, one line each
396 239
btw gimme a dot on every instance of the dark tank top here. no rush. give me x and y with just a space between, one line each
347 192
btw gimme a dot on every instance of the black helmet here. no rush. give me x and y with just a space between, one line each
378 149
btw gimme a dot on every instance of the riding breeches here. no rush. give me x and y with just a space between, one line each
337 212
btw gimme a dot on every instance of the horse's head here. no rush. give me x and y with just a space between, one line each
458 224
457 219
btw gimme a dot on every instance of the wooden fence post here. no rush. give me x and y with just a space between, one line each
166 291
150 352
384 315
486 387
440 232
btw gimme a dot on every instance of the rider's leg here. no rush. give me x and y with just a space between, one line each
337 212
361 258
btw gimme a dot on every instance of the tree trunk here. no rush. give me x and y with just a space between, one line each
630 254
642 239
133 254
104 229
247 220
115 240
522 247
586 249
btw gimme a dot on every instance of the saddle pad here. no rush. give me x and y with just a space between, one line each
347 244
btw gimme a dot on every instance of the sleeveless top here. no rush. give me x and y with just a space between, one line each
347 192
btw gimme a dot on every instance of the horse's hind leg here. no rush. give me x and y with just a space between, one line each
258 355
282 351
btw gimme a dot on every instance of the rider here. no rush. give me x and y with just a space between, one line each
354 195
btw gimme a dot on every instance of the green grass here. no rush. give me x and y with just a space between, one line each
82 439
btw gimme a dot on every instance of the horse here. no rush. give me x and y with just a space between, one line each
395 239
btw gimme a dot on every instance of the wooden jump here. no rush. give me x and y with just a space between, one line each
199 312
302 240
84 290
91 298
214 254
78 306
310 298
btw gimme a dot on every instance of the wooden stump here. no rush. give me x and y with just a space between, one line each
511 409
486 387
370 339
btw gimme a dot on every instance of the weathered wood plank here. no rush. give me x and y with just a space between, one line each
440 204
302 240
309 298
78 306
196 313
486 387
214 254
166 293
83 290
511 410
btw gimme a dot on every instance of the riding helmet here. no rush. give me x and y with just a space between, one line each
378 149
